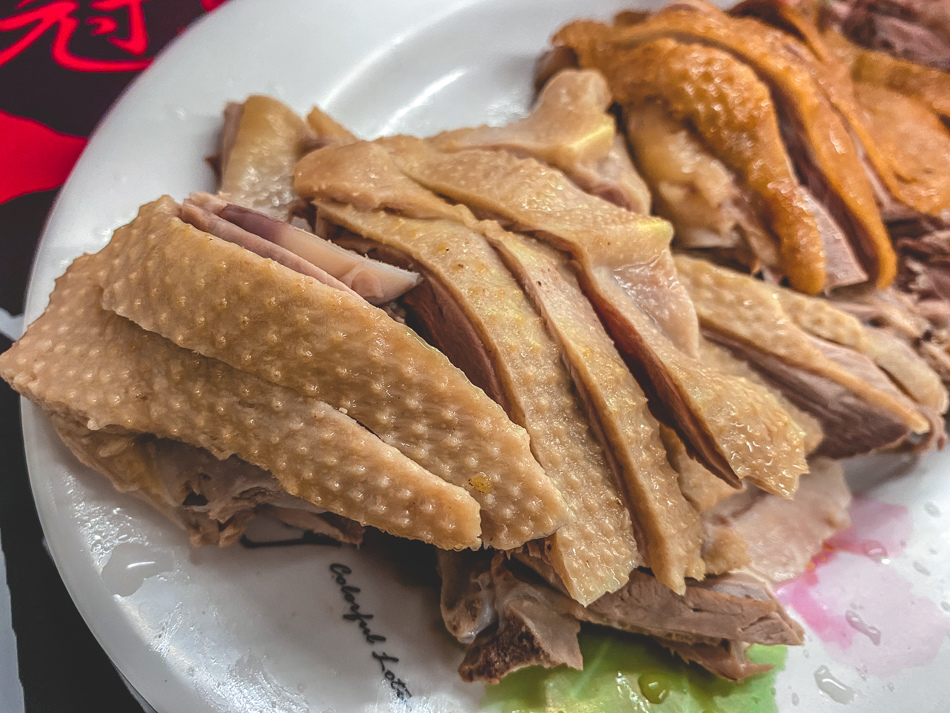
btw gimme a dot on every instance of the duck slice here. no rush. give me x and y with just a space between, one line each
695 191
571 129
97 368
262 140
817 139
225 302
731 110
748 316
626 270
212 499
596 549
374 281
668 525
782 536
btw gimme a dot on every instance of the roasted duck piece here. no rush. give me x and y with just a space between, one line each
813 351
810 124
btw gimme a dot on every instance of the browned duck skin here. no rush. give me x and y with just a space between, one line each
887 127
816 137
696 192
732 112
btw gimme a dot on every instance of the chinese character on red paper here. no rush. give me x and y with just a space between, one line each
33 20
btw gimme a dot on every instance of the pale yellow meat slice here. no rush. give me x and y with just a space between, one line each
626 269
747 310
96 366
595 552
822 319
568 127
701 488
669 525
723 359
258 170
569 124
225 302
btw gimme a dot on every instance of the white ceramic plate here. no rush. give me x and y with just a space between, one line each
252 630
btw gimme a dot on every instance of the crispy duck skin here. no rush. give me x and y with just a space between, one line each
743 310
596 550
568 128
887 128
623 262
821 146
695 191
336 348
141 382
259 156
732 112
670 534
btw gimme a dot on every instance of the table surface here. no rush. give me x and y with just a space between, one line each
62 65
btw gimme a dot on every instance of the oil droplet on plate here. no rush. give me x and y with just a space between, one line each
945 606
858 624
130 564
836 690
795 699
921 568
874 549
932 509
654 687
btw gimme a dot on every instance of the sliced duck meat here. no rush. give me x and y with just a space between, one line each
724 360
626 271
733 607
569 128
212 499
726 660
818 141
916 30
593 554
742 312
374 281
533 627
696 192
258 156
909 371
142 383
337 348
731 110
699 486
668 525
782 536
723 612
